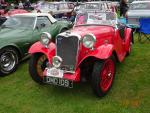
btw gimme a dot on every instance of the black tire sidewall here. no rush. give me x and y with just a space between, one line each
32 70
15 53
96 78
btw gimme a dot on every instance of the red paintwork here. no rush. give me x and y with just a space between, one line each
1 12
41 49
13 12
107 75
108 40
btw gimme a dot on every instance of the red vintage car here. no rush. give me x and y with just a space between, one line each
86 52
4 14
13 12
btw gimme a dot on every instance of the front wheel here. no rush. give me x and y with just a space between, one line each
37 65
103 76
9 60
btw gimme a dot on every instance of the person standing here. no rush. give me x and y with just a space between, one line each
123 7
20 6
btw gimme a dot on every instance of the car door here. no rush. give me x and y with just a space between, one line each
119 41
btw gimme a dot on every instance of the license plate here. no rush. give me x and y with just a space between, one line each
58 81
54 72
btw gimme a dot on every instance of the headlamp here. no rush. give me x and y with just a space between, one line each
89 40
45 39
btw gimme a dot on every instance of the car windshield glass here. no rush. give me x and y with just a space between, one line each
96 18
20 22
140 6
90 6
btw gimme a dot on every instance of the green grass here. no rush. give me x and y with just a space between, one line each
130 92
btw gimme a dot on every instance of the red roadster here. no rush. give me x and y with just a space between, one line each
86 52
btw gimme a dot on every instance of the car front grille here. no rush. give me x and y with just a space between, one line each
67 49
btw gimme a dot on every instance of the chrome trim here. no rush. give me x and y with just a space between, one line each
72 72
94 37
35 21
69 34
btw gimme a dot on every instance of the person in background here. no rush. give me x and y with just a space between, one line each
27 4
20 6
123 7
73 16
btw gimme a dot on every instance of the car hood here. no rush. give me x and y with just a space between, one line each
13 33
138 13
96 30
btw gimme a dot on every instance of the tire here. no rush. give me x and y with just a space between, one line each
9 60
130 48
102 79
37 64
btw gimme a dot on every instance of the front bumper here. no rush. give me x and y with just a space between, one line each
75 77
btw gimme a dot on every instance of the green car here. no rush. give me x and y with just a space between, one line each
19 32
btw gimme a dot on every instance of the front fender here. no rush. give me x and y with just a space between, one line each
102 52
39 48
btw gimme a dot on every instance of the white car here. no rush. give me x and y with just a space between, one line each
95 6
138 9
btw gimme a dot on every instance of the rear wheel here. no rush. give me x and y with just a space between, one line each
103 76
9 60
37 65
130 47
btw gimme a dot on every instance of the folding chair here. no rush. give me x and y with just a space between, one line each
144 29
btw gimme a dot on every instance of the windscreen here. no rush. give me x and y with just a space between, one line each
20 22
98 18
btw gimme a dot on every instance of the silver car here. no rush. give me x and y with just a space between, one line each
95 6
138 9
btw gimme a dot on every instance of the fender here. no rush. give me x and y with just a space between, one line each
14 46
102 52
128 38
39 48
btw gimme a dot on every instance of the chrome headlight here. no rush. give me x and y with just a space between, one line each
89 40
45 39
57 61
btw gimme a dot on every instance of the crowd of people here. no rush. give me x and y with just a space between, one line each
16 5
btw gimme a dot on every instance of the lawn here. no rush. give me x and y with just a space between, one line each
130 92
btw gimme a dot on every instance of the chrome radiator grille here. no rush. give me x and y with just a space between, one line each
67 49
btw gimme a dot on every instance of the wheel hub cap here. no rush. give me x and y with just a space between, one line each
7 61
107 75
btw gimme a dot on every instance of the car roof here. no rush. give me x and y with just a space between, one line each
141 1
38 14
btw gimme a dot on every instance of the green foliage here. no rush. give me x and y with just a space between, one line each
130 92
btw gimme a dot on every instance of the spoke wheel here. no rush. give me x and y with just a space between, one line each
37 65
103 76
130 48
107 74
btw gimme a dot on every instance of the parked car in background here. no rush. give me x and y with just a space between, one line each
137 9
4 14
95 6
86 52
19 32
57 9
